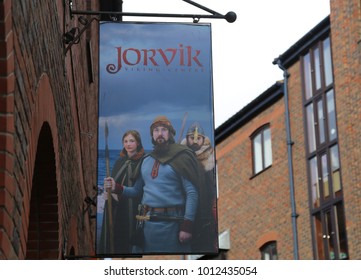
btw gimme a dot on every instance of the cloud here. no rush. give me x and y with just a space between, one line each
133 96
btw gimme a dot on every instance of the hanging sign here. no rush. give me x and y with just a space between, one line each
156 162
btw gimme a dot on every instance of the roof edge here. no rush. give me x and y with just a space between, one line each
292 55
259 104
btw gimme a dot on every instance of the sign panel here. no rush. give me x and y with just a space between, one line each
156 163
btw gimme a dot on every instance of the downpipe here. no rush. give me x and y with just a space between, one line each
294 214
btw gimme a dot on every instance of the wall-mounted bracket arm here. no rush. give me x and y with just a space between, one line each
229 17
73 36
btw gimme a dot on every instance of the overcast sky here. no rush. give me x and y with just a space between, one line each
243 51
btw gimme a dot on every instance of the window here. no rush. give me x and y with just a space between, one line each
314 181
261 149
330 233
324 170
269 251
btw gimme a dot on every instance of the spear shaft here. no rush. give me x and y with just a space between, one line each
182 127
110 214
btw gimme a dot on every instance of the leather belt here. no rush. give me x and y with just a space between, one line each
162 209
158 218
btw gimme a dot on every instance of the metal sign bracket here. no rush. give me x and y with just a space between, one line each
73 36
229 17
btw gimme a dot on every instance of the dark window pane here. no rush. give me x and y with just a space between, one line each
324 164
317 68
307 76
331 115
310 128
335 168
341 227
269 251
267 147
321 122
329 236
327 62
257 152
319 237
315 186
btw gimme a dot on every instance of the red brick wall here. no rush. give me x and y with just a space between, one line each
346 47
255 209
40 84
7 82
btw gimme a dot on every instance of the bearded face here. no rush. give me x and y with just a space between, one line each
195 143
160 139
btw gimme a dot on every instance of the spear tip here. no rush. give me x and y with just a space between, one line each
106 129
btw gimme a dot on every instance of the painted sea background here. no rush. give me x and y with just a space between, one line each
113 156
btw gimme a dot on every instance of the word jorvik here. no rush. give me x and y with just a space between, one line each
182 56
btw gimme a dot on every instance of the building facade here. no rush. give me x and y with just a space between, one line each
48 137
288 163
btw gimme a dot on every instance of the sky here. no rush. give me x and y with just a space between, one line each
153 69
242 51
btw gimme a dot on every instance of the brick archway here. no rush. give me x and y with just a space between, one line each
43 236
43 232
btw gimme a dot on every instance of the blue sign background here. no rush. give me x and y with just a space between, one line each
132 97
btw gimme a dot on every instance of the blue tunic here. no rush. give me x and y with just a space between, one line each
167 190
